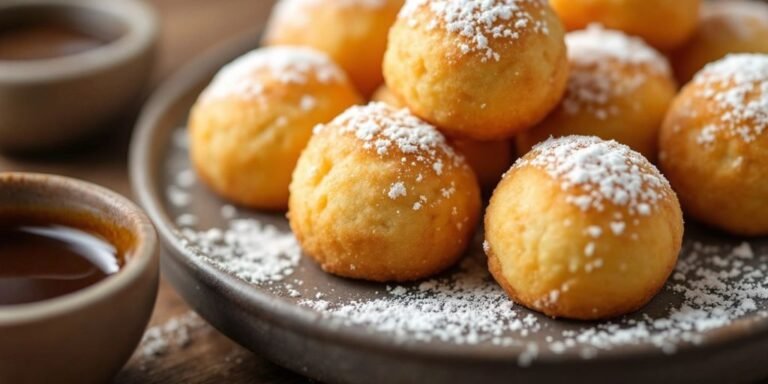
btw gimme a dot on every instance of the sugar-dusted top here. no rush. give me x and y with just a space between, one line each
594 81
739 85
285 64
389 131
735 14
595 172
596 44
475 23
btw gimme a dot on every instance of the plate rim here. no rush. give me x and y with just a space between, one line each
303 320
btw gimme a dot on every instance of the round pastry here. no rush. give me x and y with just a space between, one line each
583 228
352 32
250 124
618 88
714 144
482 70
665 24
724 27
379 195
489 159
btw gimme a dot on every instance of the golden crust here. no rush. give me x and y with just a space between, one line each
352 33
723 28
555 257
244 143
478 91
635 17
721 177
381 215
611 98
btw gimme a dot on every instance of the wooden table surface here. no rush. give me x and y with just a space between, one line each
195 353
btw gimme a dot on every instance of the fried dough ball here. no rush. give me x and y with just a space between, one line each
489 159
714 145
379 195
352 32
724 27
583 228
482 70
249 126
619 88
664 24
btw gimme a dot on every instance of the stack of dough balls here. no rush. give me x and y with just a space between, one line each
352 32
619 88
665 24
583 228
489 159
725 27
482 70
714 144
249 126
378 194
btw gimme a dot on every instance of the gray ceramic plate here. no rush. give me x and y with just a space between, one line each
708 325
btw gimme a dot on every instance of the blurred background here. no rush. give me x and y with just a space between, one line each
184 348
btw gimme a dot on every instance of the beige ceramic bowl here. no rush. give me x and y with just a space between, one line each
45 103
86 336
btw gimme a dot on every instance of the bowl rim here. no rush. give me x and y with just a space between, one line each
141 33
141 261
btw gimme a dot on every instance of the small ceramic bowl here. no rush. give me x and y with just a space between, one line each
50 102
88 335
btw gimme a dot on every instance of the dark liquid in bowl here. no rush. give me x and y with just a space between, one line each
44 40
39 260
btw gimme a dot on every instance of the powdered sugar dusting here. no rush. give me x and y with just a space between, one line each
739 16
594 80
396 132
476 24
597 172
739 85
249 249
288 65
594 173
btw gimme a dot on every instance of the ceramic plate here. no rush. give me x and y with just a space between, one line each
243 271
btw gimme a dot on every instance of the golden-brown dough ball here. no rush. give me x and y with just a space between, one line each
250 124
714 145
583 228
489 159
665 24
724 27
618 88
379 195
482 70
352 32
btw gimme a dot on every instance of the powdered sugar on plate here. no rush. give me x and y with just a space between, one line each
478 25
285 64
594 80
739 85
718 284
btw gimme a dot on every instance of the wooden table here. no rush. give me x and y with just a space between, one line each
188 28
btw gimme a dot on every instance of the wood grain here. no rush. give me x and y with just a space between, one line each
189 27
